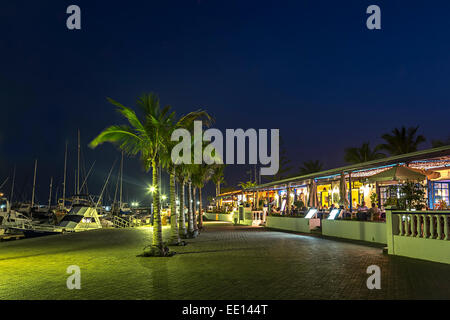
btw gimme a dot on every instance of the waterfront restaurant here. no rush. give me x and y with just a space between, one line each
228 202
364 182
351 185
422 233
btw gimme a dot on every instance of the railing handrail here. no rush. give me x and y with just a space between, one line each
443 212
121 222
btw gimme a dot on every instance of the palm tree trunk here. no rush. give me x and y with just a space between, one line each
200 215
191 230
194 203
182 218
174 238
157 226
217 199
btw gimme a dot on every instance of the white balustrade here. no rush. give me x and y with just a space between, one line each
429 225
446 227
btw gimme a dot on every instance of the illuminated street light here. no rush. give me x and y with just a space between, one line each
163 197
151 189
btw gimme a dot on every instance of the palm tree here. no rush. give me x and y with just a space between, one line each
440 143
170 164
310 166
362 154
181 178
218 178
401 141
246 185
201 175
192 231
144 138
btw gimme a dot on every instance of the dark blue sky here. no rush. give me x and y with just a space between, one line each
310 68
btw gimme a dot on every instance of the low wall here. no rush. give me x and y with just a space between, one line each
355 230
287 223
419 234
219 216
419 248
229 217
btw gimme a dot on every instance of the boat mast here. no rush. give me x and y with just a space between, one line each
64 182
12 186
87 176
121 182
34 183
104 186
78 171
50 194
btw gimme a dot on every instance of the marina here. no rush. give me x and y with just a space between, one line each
224 159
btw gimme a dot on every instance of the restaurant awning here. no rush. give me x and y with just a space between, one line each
398 173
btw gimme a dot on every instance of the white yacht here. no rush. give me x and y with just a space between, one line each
10 218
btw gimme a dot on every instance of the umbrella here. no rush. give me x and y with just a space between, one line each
343 191
398 173
313 201
430 174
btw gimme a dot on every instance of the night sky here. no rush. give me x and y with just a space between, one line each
310 68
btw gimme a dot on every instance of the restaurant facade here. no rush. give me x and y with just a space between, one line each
303 203
353 185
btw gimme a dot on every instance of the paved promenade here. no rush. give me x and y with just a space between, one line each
224 262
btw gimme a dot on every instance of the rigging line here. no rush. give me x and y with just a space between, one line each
106 183
4 182
12 186
85 180
83 169
117 186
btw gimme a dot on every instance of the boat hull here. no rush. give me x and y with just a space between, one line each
39 233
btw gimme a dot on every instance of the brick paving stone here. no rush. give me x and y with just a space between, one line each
224 262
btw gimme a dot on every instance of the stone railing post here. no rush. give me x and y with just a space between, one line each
438 227
401 224
391 229
418 226
431 227
425 226
446 220
407 224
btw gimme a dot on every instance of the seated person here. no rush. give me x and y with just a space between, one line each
275 210
374 213
344 213
362 212
382 214
294 210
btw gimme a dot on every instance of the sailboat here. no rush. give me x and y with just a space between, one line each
120 208
10 218
82 216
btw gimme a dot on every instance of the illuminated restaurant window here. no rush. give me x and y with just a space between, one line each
441 192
